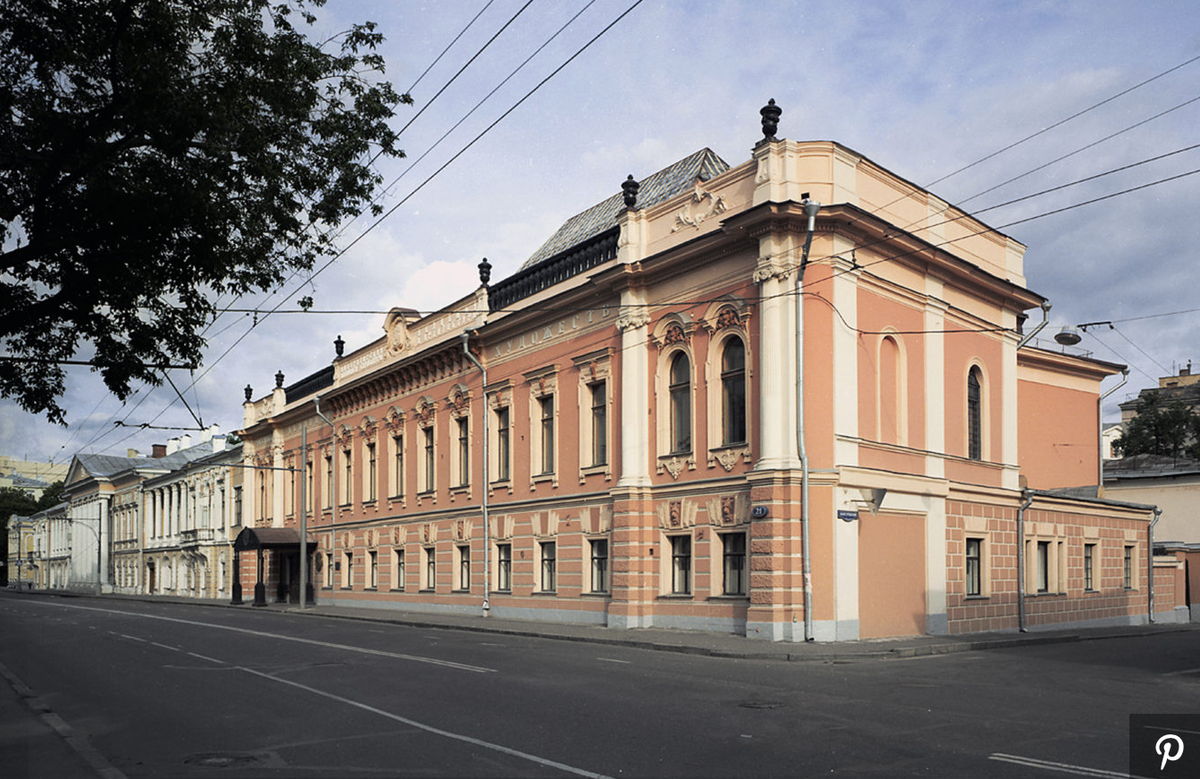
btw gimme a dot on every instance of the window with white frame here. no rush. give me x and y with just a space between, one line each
1129 563
347 572
733 559
973 567
503 463
679 391
733 392
428 460
463 552
348 480
975 414
397 485
328 480
373 569
429 570
371 475
1089 567
681 565
546 434
398 569
463 461
504 567
598 395
598 548
1042 566
548 565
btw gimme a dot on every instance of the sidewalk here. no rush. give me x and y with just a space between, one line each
694 641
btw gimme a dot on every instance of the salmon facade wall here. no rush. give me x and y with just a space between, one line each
644 467
1081 567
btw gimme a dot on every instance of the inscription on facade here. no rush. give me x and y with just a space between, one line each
552 331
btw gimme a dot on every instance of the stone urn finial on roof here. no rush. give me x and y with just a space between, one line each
770 119
629 187
485 272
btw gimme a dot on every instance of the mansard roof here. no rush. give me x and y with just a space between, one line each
654 189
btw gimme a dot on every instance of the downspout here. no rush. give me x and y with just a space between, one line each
1027 499
487 578
332 486
1045 321
1150 562
811 207
1100 428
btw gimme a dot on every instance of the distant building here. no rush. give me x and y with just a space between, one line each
1183 388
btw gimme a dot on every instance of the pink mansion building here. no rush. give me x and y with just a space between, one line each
789 398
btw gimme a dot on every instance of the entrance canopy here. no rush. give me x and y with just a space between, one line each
270 538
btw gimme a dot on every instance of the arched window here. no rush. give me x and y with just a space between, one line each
975 414
733 392
889 391
680 392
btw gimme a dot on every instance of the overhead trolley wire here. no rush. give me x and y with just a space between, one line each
420 186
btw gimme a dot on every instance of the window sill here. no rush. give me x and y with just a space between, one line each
461 489
370 589
426 589
543 477
369 503
500 483
460 592
676 596
544 593
978 597
502 592
594 469
396 589
605 594
729 597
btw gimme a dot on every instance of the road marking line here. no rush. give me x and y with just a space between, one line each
345 647
1181 673
209 659
430 729
164 646
1066 768
611 660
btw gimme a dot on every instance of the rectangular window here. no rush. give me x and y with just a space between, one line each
464 567
681 565
397 465
549 565
329 564
546 405
974 567
429 581
1089 567
328 481
464 453
734 553
502 450
398 569
599 549
309 485
1042 565
372 481
348 489
237 505
373 561
429 480
1129 580
504 567
347 564
599 423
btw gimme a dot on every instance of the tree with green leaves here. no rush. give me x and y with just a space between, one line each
1161 427
157 154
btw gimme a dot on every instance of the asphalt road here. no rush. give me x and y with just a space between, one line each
163 690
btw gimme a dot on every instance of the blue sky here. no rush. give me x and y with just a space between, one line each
921 88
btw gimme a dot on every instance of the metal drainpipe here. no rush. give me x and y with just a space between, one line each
1028 500
811 207
1150 562
1100 428
1045 321
487 579
332 485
